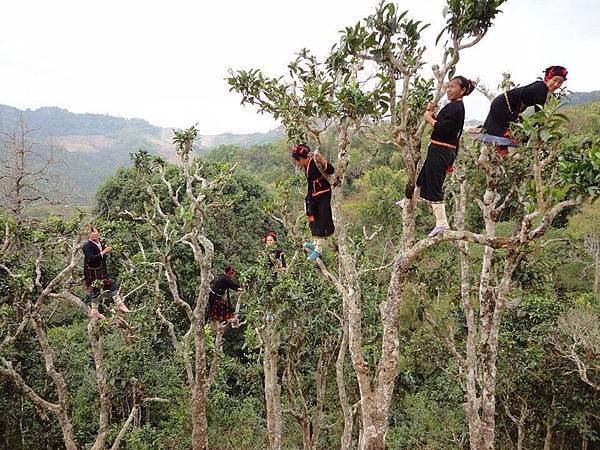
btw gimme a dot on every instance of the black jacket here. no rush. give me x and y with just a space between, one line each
94 265
449 123
507 108
220 286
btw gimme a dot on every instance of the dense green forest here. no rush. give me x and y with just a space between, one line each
556 308
483 337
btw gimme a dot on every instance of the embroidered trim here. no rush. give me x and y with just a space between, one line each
508 103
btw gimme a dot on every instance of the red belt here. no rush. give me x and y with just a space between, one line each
443 144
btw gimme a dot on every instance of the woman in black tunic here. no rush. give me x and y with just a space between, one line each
95 274
318 197
276 255
443 147
219 307
508 107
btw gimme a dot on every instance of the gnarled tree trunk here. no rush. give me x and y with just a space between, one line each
270 338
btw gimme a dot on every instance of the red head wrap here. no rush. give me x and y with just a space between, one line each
300 151
553 71
270 233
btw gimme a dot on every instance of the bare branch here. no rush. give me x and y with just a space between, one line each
179 349
339 286
125 427
7 370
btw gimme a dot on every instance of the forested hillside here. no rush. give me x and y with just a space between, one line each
89 148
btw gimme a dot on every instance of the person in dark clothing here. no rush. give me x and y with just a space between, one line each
442 151
219 307
318 197
96 275
508 107
276 255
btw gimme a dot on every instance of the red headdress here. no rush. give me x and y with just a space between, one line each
270 233
300 151
553 71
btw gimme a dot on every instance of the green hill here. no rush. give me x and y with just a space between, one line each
92 146
580 98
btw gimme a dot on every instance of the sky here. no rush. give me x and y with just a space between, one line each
165 61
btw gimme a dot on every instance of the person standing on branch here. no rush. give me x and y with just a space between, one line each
219 306
96 275
442 151
318 197
508 107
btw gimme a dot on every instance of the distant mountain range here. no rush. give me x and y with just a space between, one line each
93 146
88 133
579 98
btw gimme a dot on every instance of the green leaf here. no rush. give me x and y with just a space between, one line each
545 135
437 40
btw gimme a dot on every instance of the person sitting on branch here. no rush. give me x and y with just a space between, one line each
96 275
508 107
442 151
318 197
219 306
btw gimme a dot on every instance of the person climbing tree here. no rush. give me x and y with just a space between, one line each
276 255
509 106
442 151
96 275
318 197
219 307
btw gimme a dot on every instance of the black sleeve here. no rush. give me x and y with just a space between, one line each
535 95
228 283
90 255
329 169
